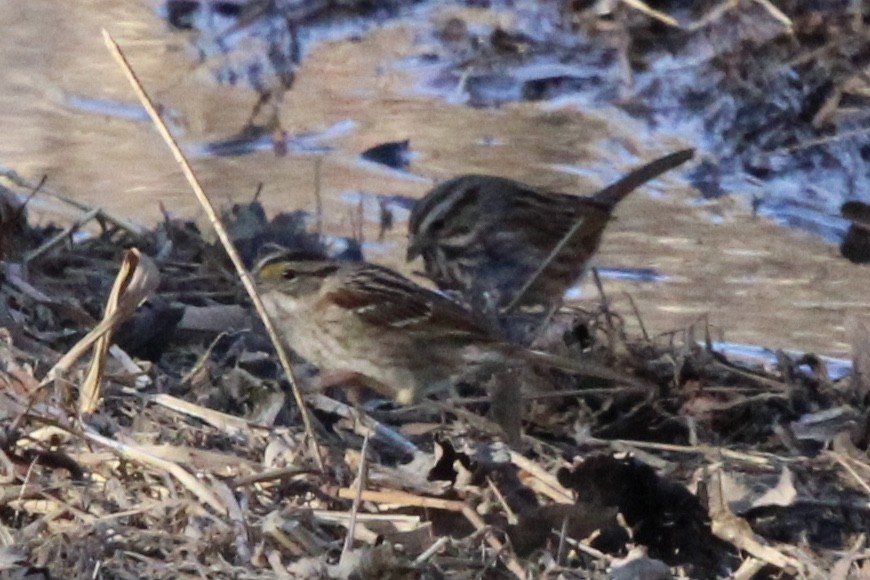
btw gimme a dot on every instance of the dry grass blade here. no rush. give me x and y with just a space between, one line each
838 457
840 570
509 559
545 482
61 236
402 498
136 281
776 13
714 453
137 455
652 12
236 516
360 485
229 424
222 234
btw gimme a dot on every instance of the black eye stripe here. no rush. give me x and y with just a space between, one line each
326 271
291 273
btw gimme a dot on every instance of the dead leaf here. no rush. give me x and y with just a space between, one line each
136 281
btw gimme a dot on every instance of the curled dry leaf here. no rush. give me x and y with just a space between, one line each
137 279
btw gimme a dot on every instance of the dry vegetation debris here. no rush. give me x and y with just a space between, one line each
183 454
174 450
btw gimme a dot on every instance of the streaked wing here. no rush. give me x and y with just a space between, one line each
386 299
562 211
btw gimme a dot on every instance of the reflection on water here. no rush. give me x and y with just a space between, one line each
68 113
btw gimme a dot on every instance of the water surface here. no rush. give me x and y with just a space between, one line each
69 114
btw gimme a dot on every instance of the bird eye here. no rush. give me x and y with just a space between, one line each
288 274
327 270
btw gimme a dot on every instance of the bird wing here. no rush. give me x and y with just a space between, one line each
389 300
562 211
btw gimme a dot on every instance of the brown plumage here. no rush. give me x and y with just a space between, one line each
399 338
485 236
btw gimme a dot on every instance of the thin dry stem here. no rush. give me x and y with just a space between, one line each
61 236
605 308
13 176
402 498
510 561
360 485
318 198
224 237
652 12
838 457
776 13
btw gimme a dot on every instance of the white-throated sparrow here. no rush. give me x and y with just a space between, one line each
482 235
398 338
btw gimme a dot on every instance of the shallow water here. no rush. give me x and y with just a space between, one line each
68 113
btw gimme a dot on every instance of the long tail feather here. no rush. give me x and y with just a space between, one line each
613 193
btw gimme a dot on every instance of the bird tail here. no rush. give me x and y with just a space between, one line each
615 192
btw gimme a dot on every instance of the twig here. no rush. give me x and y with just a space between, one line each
838 457
318 200
402 498
510 561
586 549
363 424
134 453
430 551
542 326
61 236
269 475
550 486
511 515
638 316
12 176
224 237
360 486
652 13
776 13
772 383
758 458
33 192
563 535
621 390
842 135
605 308
715 14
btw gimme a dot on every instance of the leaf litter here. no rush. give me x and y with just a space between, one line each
183 453
148 431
